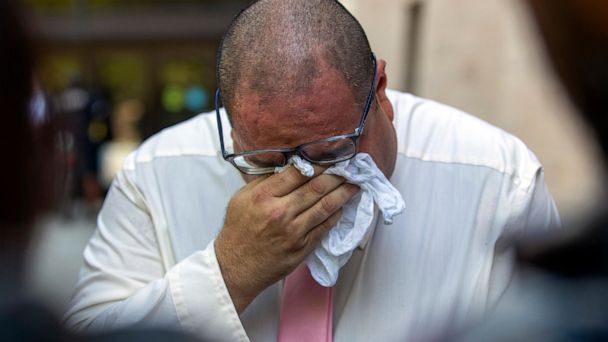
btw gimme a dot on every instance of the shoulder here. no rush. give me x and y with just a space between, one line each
197 136
178 150
431 131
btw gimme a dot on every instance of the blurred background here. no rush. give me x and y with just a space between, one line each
119 71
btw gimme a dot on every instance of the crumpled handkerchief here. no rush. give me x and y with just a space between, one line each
357 214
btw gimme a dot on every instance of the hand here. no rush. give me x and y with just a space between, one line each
272 224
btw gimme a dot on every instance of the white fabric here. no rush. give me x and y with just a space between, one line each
357 214
470 188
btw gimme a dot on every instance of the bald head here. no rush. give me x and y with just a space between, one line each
278 48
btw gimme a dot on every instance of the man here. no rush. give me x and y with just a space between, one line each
185 239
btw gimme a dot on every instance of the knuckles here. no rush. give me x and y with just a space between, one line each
327 206
276 214
265 190
327 224
260 194
296 244
316 186
291 176
292 236
291 229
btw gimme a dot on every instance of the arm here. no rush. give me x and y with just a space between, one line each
123 281
271 225
534 212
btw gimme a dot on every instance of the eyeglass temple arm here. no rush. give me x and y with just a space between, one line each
219 121
370 96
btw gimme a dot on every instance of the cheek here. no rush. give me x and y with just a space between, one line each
236 142
370 144
379 155
379 141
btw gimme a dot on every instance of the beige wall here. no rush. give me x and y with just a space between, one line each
484 57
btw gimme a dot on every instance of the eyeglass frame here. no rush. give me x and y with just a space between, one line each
290 151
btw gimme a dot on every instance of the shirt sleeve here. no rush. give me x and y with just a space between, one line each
123 281
533 212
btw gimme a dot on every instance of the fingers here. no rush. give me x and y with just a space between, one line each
314 236
283 183
324 208
311 192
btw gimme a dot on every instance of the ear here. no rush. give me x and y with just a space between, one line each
381 82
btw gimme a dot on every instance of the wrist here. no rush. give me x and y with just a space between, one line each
236 283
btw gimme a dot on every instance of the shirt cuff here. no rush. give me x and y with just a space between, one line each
204 306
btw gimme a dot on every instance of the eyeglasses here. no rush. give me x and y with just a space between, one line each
323 152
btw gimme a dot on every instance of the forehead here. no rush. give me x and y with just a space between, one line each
324 109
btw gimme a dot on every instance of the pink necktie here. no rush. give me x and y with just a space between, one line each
306 309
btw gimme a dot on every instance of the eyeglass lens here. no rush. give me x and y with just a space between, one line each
323 152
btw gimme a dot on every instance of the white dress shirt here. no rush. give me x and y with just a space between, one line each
469 189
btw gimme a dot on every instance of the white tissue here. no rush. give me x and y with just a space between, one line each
357 215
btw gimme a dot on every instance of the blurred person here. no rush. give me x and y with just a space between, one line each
88 112
125 139
33 164
185 239
97 130
561 293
